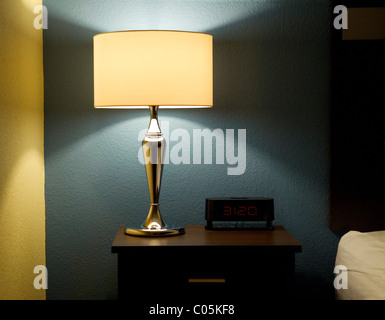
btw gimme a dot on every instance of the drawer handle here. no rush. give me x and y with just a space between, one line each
200 280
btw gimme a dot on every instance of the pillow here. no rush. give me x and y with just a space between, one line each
363 254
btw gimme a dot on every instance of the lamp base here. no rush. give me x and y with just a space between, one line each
166 232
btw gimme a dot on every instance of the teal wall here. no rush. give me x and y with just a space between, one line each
271 77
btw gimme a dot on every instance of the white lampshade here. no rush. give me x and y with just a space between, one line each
134 69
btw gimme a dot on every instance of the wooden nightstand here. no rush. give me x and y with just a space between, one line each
207 266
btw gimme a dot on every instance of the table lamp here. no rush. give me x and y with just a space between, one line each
153 69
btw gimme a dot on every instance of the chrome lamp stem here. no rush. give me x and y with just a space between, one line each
153 150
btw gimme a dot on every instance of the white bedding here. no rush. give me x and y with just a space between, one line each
363 254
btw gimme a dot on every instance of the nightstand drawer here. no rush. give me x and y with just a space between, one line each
207 266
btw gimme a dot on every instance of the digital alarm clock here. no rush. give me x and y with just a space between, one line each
239 213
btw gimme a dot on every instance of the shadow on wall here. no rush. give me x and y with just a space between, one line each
270 77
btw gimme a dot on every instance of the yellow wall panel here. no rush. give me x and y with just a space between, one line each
22 208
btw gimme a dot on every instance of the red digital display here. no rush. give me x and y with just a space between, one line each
243 211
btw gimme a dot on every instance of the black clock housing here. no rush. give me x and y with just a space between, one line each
239 213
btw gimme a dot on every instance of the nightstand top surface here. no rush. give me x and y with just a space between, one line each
198 236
